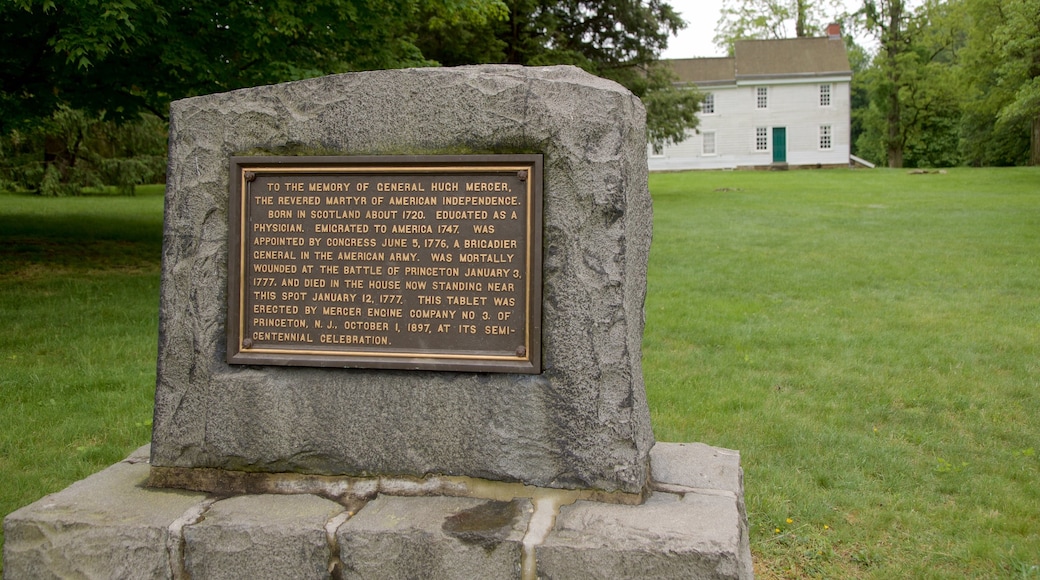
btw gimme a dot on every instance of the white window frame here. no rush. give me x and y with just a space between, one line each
761 139
826 138
826 91
709 137
656 150
708 106
761 97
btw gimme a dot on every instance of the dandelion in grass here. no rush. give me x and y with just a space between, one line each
790 521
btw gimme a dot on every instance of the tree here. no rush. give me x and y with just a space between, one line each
116 58
617 39
888 20
113 59
914 112
621 40
49 48
1001 65
770 19
859 92
123 56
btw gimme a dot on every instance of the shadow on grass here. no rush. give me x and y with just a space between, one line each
66 242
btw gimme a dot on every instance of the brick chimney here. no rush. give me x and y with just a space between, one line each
834 31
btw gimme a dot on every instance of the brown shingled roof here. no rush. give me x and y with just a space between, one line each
766 58
704 70
793 56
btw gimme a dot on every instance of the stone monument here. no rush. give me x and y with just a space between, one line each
400 336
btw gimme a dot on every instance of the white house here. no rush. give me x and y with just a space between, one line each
774 103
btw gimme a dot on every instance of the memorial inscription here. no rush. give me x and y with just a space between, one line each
426 262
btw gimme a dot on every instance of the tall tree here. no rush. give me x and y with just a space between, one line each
50 47
771 19
127 55
617 39
888 20
112 59
124 56
1002 74
913 115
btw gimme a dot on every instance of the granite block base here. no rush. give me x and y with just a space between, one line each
693 525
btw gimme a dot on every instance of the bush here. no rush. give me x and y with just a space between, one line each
72 150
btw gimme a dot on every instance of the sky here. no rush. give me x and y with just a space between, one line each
695 40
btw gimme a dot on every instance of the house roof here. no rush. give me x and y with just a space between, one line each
793 56
704 71
767 59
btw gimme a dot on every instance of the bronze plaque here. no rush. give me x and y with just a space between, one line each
417 262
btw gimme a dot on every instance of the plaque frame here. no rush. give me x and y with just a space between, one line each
525 169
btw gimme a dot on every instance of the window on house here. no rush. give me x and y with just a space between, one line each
825 136
761 97
761 139
825 95
657 150
708 143
708 106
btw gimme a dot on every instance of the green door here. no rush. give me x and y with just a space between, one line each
779 144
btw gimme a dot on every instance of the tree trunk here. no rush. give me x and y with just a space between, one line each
892 43
1034 142
56 154
801 28
895 144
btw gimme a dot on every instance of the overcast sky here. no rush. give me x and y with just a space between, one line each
695 40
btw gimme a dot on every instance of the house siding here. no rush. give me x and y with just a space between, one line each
792 106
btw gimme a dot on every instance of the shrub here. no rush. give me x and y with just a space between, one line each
72 150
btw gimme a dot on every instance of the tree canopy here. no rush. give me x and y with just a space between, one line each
770 19
125 56
954 82
1000 65
616 39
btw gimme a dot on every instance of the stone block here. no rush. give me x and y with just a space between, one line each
434 537
261 536
697 466
669 536
108 526
696 529
104 526
582 423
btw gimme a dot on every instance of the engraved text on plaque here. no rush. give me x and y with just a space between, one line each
425 262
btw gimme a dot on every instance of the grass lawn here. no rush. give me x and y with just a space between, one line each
79 297
869 341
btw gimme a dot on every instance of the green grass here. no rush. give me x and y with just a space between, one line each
868 340
79 295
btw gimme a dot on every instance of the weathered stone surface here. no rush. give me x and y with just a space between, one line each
582 423
434 537
697 530
670 536
700 468
696 465
261 536
105 526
